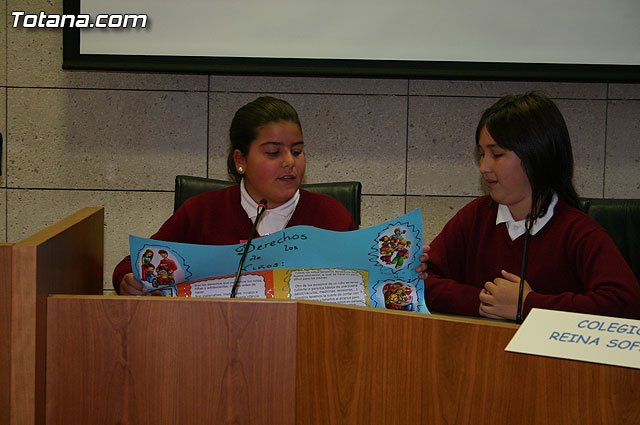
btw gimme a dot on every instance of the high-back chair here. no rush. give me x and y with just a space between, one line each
347 193
621 219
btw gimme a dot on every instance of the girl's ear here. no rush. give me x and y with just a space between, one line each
239 159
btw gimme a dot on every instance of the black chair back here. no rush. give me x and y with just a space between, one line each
621 219
347 193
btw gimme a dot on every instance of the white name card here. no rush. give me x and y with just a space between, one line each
575 336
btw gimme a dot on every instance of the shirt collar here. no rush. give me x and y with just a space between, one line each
516 228
273 219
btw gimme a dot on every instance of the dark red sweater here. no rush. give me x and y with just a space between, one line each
217 218
573 264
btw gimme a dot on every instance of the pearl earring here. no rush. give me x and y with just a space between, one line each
241 169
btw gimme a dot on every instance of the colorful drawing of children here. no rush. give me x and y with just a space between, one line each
147 256
386 252
170 265
149 275
164 275
398 296
402 253
146 259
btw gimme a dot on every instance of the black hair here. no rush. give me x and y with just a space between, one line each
532 126
249 119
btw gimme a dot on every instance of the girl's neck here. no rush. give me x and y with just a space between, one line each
520 211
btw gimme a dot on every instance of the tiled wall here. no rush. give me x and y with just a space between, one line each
76 139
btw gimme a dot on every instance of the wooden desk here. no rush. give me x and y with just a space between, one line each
81 359
155 361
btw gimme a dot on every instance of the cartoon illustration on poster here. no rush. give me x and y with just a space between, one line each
161 267
368 267
396 248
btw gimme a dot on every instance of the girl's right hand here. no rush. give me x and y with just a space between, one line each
130 286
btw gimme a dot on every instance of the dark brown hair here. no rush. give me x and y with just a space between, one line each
249 118
532 126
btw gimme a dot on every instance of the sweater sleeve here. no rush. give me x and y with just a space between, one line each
123 267
322 211
346 222
445 288
610 287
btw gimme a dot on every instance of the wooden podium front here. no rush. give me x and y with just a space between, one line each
63 258
156 361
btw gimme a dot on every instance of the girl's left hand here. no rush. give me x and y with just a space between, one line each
499 299
424 259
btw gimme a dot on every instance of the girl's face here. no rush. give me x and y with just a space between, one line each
275 164
505 176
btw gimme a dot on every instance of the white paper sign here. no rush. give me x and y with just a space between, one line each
575 336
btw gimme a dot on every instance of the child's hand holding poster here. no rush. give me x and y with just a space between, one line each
367 267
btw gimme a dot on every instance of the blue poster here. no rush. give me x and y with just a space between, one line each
368 267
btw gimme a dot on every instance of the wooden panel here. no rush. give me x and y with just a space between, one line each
6 251
70 254
25 337
358 366
156 361
150 360
63 258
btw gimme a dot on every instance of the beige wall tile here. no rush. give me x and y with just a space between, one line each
347 137
501 88
3 133
622 178
222 108
308 85
436 212
3 215
378 209
103 139
3 43
586 120
624 91
137 213
35 60
441 156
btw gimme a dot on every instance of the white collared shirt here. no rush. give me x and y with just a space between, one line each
516 228
272 220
